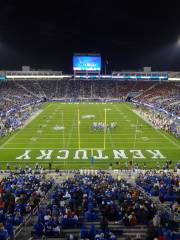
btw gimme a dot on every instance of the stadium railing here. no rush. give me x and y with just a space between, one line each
28 218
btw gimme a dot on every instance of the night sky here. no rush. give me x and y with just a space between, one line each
130 34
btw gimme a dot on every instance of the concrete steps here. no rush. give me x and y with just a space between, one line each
128 231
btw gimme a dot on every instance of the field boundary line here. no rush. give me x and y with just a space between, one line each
159 131
20 129
10 139
32 118
143 118
169 139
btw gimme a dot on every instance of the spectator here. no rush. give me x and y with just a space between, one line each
3 232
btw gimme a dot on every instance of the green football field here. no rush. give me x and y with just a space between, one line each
62 134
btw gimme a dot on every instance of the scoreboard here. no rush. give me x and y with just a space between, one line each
89 62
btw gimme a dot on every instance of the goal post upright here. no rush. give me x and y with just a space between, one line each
62 117
79 141
105 119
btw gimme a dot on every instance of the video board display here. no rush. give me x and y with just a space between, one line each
87 63
2 78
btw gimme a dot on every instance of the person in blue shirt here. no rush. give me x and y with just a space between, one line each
2 217
9 228
38 229
3 232
18 219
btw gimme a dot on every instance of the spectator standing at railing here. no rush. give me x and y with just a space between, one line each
156 221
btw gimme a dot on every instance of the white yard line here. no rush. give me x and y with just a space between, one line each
124 148
113 134
135 134
149 139
107 141
71 131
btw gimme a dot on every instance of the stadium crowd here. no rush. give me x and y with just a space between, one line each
165 186
82 199
14 95
16 106
163 95
160 120
19 195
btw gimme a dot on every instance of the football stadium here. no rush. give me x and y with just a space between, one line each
89 120
90 144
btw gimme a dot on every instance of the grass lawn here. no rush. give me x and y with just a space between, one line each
43 139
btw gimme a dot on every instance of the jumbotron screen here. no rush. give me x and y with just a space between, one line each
86 63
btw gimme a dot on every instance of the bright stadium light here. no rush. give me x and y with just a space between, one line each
178 42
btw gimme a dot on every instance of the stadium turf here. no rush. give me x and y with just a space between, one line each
136 139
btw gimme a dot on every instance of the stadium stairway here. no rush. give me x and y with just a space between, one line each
147 90
132 232
119 229
41 91
139 231
23 232
26 90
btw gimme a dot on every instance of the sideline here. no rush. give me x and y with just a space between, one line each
145 119
20 128
32 118
158 130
